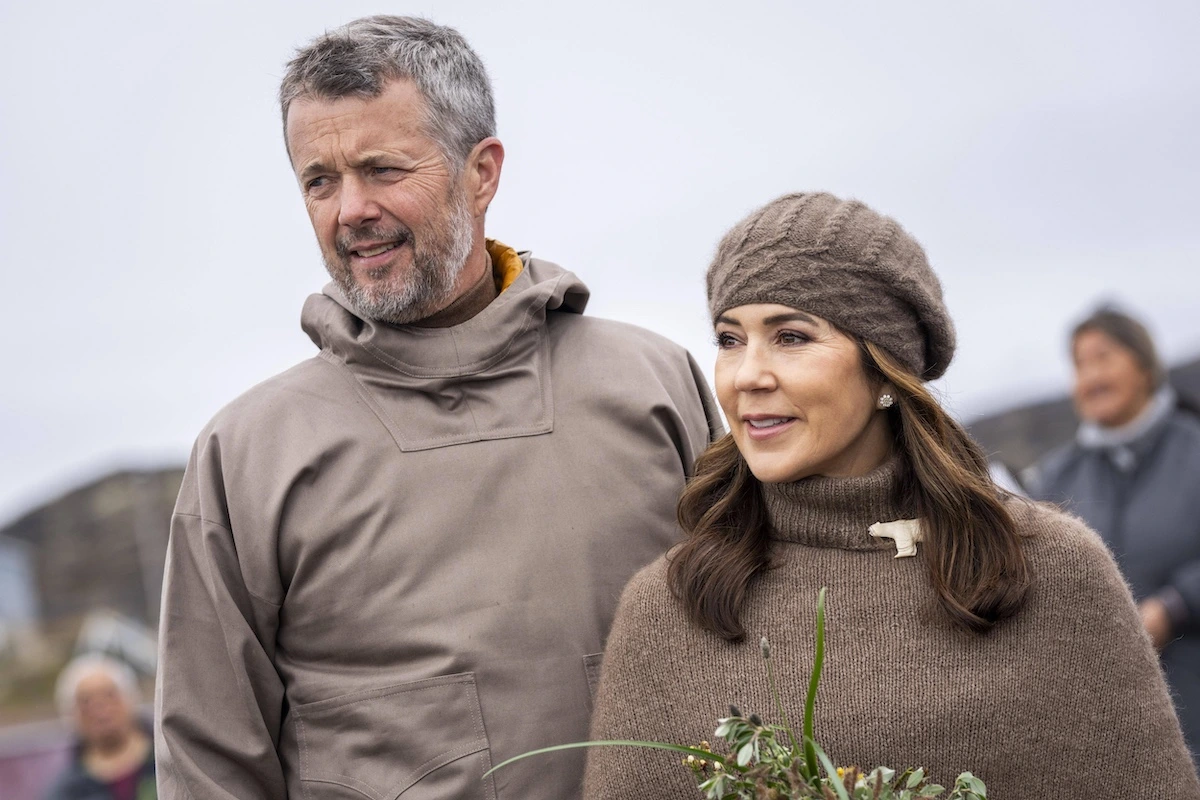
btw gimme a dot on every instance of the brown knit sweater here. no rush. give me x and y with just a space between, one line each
1064 701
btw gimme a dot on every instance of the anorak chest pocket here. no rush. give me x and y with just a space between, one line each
416 741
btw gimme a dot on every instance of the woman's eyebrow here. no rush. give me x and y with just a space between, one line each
791 316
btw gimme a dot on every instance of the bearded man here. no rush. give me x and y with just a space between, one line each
394 565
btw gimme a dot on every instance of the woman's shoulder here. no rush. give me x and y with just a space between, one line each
1063 550
647 617
1183 428
649 587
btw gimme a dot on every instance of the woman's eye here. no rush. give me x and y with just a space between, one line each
725 340
792 337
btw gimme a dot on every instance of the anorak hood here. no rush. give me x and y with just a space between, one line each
464 349
434 387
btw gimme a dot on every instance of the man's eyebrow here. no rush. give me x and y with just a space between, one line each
366 162
314 168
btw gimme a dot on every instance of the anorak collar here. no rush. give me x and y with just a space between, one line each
470 348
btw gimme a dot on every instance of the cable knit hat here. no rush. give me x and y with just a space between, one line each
842 261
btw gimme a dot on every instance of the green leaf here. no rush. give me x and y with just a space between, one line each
972 784
830 770
745 754
616 743
814 680
888 774
915 779
932 790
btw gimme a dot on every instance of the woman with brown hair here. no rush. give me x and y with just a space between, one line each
1131 474
967 629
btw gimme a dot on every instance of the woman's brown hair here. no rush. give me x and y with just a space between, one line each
974 554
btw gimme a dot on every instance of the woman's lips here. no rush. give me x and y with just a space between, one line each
763 428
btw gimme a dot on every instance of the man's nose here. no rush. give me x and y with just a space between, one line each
358 205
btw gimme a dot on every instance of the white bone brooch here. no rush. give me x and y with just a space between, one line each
904 532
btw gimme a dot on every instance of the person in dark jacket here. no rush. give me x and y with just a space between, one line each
1132 474
114 756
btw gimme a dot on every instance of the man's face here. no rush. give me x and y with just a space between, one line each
390 214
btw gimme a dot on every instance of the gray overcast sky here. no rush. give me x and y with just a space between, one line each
157 251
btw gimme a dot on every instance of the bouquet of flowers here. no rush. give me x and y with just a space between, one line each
770 762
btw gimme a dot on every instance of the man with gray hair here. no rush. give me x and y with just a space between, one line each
394 565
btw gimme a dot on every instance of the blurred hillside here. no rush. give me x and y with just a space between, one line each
1020 436
82 571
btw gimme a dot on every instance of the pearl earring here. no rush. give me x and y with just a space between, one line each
885 401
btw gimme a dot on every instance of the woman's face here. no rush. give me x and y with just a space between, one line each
796 396
102 712
1111 387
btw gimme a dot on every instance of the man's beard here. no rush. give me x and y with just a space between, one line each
401 295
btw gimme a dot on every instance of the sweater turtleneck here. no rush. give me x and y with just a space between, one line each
836 512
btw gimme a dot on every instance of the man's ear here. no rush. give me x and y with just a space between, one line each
483 174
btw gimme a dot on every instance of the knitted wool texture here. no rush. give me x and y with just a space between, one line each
844 262
1065 700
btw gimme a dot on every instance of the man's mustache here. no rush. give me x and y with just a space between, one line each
372 237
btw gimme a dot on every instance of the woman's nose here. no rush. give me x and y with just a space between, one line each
754 373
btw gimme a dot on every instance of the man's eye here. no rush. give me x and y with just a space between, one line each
382 170
315 183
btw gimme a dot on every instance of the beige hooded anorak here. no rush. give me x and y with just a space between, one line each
394 565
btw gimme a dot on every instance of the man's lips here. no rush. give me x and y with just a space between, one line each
364 248
368 251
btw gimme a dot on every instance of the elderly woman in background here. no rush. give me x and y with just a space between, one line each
1133 474
970 631
113 758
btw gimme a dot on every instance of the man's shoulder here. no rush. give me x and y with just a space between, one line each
312 384
600 333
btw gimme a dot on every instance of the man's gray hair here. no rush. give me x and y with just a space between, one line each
360 58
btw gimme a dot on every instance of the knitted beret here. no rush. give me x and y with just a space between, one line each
844 262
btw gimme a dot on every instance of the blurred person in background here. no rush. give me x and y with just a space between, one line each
1132 474
113 758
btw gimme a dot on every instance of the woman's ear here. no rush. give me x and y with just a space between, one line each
885 395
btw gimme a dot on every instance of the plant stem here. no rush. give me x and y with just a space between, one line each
787 725
810 752
693 751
